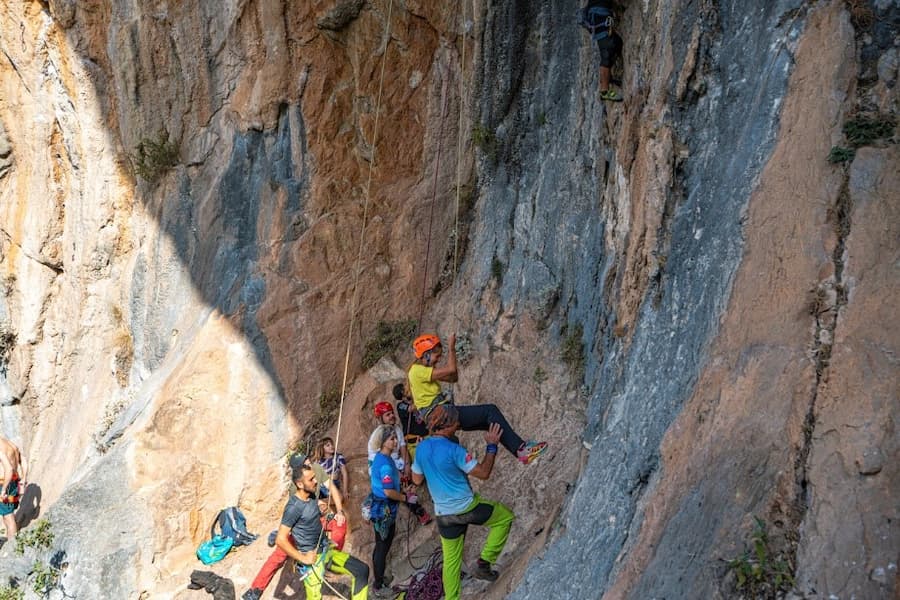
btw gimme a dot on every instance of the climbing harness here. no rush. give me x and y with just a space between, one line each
597 20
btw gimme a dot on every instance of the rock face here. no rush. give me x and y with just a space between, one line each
205 208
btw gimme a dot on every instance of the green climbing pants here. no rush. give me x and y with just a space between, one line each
497 517
344 564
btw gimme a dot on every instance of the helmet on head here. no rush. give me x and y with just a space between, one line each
424 343
382 408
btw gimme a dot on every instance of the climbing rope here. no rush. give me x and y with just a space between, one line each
459 135
362 239
362 233
437 163
427 584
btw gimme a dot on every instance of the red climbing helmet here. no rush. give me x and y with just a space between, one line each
383 408
424 343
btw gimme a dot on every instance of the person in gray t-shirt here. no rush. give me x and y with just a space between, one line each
300 524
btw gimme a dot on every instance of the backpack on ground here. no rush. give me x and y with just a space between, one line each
597 20
214 550
232 524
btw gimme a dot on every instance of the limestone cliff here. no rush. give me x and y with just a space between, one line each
205 205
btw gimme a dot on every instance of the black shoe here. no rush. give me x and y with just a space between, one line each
382 592
484 571
252 594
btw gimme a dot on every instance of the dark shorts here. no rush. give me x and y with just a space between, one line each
452 526
11 490
610 49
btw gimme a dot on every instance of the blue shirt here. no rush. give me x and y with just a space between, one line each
384 476
446 466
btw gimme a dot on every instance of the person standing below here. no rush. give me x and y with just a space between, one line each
385 415
334 523
335 465
446 466
597 18
386 489
302 538
414 428
15 472
425 375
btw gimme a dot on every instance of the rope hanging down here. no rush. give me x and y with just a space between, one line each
362 240
362 233
437 166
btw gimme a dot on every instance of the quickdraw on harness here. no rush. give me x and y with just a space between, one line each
597 20
304 571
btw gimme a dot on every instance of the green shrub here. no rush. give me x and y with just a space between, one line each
497 268
39 536
539 376
46 577
840 154
7 343
572 349
153 158
485 140
863 129
8 592
388 336
760 571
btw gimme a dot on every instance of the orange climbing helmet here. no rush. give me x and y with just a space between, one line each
383 408
424 343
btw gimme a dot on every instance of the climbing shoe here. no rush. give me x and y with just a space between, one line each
611 95
529 451
382 592
252 594
484 571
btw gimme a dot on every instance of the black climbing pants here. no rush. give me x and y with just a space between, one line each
379 554
610 49
478 417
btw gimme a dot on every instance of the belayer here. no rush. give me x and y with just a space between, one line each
597 18
425 375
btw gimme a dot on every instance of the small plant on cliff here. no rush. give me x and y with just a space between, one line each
861 15
388 336
39 536
839 154
761 571
485 140
317 426
7 343
7 283
464 350
9 592
862 130
152 158
46 577
497 268
539 376
572 350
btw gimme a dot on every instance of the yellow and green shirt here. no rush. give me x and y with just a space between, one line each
423 389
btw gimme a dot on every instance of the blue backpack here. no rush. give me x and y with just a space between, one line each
597 20
232 532
233 525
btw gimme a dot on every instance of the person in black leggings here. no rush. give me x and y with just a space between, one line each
385 479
